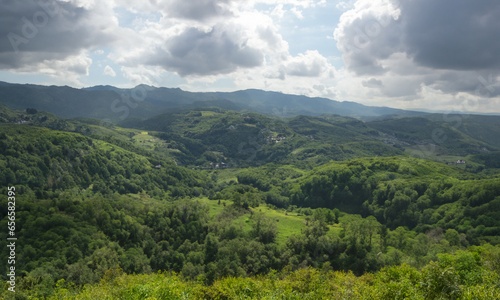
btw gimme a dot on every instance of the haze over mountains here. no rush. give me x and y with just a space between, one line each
107 102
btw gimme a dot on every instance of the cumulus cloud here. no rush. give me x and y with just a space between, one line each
245 39
309 64
297 13
452 34
44 33
143 75
237 43
61 71
199 52
196 10
109 71
196 40
195 43
372 82
408 45
200 10
368 34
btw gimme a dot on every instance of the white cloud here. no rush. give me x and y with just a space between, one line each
244 46
213 47
278 11
201 40
309 64
297 13
109 71
143 75
65 71
54 37
419 50
199 52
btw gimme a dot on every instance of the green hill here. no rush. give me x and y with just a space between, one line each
107 102
212 135
403 191
443 134
322 192
46 160
198 137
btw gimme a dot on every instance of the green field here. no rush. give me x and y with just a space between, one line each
287 223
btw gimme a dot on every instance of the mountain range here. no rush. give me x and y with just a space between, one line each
115 104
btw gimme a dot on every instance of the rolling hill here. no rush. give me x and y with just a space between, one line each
94 200
206 136
213 135
111 103
444 137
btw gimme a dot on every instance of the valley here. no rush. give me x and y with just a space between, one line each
213 198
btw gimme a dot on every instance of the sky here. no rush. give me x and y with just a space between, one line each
410 54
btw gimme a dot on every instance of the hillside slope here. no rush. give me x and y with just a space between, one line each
93 199
212 135
107 102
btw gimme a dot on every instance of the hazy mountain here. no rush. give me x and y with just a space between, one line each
445 134
108 102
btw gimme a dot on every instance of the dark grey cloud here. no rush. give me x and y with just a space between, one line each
441 44
367 39
196 52
199 10
372 83
33 31
452 34
482 83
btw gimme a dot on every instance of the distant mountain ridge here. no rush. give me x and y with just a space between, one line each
116 104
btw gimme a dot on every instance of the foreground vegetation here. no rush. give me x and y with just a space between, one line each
472 274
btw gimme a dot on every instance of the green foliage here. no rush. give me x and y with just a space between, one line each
96 203
205 137
263 229
403 191
437 280
443 134
44 161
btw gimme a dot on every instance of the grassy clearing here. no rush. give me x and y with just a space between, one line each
287 223
145 140
213 207
334 230
205 113
434 153
226 175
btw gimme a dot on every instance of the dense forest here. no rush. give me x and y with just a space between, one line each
215 204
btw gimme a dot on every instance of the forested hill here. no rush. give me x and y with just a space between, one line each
212 135
44 161
408 192
445 134
107 102
94 201
249 139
